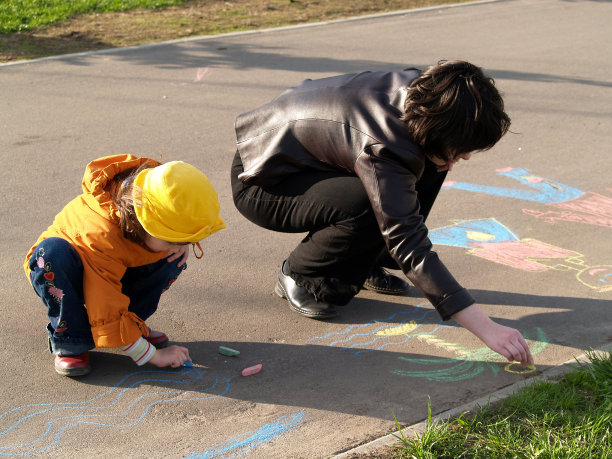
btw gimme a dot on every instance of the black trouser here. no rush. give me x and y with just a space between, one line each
343 243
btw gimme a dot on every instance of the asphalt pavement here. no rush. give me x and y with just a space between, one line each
526 227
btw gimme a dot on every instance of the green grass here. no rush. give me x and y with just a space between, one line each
568 418
20 15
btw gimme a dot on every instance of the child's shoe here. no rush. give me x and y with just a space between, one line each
73 365
157 339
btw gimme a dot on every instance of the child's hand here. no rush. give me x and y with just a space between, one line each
182 252
173 356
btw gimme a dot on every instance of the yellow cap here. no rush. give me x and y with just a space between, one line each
175 202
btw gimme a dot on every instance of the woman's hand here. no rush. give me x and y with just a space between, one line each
171 356
182 252
504 340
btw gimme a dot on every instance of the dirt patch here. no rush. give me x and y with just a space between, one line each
194 18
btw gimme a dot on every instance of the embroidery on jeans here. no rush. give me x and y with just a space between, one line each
183 268
62 326
56 293
169 284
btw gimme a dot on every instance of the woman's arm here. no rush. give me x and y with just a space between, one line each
504 340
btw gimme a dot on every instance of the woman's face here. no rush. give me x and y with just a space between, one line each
444 165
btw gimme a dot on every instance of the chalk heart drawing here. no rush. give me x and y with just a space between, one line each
489 239
423 325
570 204
35 428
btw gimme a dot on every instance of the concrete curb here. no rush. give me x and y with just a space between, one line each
393 439
247 32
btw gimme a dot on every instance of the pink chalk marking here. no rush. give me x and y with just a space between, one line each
449 183
526 254
201 73
252 370
504 169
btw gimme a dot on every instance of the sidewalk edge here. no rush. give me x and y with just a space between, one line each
245 32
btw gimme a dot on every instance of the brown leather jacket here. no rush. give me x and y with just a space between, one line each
352 123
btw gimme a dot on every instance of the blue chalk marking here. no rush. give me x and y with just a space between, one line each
193 375
241 444
420 321
408 337
544 191
459 234
346 330
371 332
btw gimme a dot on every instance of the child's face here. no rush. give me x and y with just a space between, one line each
159 245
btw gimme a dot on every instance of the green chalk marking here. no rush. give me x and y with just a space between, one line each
227 351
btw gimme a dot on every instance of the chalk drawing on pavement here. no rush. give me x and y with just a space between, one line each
244 443
422 325
489 239
467 363
201 72
571 204
124 405
376 335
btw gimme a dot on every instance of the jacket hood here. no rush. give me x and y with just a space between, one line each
99 173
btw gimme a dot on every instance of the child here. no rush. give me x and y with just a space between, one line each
103 264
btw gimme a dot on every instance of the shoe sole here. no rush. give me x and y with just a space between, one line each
280 291
73 371
386 291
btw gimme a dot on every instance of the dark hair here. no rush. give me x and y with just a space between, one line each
121 192
452 108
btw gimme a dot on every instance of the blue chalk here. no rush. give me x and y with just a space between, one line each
188 363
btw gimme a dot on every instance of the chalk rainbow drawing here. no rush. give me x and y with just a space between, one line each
489 239
378 335
123 405
575 205
467 363
242 444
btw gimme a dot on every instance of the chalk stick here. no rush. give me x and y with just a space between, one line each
188 363
228 351
252 370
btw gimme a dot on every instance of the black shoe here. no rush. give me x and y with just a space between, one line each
301 300
380 281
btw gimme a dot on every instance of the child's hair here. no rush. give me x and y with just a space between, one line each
452 108
122 197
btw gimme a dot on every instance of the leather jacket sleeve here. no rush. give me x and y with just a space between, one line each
389 179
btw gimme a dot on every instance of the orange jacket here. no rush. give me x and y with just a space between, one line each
90 222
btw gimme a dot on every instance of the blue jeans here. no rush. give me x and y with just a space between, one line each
57 278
